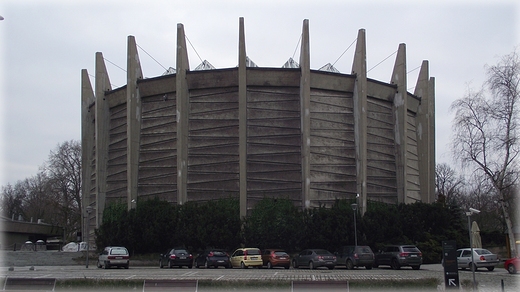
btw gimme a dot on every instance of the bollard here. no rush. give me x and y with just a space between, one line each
502 284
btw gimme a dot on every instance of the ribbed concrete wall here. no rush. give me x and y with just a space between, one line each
249 133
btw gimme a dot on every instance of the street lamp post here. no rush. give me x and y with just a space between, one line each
354 208
87 230
469 213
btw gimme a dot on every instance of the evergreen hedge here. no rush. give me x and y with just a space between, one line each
154 225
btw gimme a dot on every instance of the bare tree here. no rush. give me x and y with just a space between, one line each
486 132
64 171
447 184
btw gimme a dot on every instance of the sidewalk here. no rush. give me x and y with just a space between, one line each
40 258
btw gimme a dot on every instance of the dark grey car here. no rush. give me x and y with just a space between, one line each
397 256
355 256
315 258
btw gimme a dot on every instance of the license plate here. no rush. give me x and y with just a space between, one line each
283 258
254 258
414 256
220 261
119 258
183 258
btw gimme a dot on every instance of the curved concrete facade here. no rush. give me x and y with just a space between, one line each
250 132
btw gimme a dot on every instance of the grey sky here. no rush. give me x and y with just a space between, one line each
45 44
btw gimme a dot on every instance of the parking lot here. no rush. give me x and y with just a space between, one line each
60 265
488 281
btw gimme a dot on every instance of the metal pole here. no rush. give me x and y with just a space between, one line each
88 231
355 229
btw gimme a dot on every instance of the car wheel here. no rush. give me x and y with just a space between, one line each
490 269
311 265
286 267
190 267
350 265
160 264
416 267
170 264
395 265
206 264
368 267
127 266
331 267
229 266
511 269
294 264
107 266
242 265
98 264
269 265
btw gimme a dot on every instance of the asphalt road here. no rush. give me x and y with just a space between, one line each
487 281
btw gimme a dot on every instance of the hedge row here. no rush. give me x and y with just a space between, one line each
153 226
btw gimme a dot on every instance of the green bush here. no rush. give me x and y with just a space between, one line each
155 225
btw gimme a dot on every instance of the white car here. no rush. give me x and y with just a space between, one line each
483 258
114 256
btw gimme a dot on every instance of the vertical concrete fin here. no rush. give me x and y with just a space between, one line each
242 117
133 119
423 131
359 68
400 116
359 65
182 95
431 139
102 122
305 100
87 135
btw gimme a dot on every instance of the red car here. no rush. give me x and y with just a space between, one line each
512 265
276 258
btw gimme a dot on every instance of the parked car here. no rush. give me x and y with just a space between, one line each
512 265
246 257
315 258
176 257
355 256
114 256
213 258
483 258
276 258
397 256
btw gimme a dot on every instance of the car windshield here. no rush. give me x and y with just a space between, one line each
322 252
119 251
410 249
364 249
218 253
482 251
180 251
253 252
280 253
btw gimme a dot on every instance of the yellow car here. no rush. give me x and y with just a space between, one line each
246 257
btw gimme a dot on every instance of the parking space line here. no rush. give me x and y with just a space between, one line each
130 277
219 277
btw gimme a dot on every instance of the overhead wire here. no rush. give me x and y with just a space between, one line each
151 57
295 49
344 52
382 61
194 49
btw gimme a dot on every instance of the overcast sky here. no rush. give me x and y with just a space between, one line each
44 44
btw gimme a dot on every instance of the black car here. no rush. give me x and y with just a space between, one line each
213 258
355 256
397 256
315 258
176 257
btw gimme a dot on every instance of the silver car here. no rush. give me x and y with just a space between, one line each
483 258
114 256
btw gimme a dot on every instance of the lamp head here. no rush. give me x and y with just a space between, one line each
474 211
